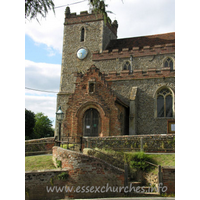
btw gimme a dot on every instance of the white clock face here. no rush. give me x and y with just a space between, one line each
82 53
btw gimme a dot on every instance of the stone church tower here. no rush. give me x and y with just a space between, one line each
113 86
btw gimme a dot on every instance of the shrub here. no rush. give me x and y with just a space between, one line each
63 176
138 161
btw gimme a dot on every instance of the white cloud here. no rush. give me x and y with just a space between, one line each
44 104
42 76
143 17
50 30
135 18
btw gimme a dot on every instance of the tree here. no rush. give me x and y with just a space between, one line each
35 7
41 7
43 126
29 124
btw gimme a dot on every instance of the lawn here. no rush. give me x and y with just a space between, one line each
164 159
39 163
45 161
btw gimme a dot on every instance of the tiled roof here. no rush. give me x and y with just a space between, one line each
150 40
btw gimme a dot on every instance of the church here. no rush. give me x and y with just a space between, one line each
114 87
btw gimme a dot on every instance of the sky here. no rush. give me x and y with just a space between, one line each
43 42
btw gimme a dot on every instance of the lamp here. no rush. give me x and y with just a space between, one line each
59 118
59 114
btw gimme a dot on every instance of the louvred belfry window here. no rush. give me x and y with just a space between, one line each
82 34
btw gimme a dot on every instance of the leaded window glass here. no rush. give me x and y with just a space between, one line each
169 63
164 103
127 66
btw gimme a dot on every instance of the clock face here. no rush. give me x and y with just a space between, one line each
82 53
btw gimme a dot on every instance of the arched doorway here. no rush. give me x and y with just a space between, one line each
91 123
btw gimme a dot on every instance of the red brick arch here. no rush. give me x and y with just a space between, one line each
104 118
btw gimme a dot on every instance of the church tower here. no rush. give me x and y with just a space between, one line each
83 34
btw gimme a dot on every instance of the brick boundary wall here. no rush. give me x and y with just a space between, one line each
37 181
168 179
87 170
39 146
82 171
147 143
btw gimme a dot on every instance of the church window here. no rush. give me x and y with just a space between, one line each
169 63
164 103
82 34
127 66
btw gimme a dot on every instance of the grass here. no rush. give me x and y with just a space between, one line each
64 146
45 161
39 163
164 159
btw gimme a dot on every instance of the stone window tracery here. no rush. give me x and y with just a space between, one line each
127 66
164 103
169 63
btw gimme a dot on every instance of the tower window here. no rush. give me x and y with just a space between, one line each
82 34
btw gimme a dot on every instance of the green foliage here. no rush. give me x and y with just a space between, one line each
33 8
63 176
99 6
29 124
27 191
43 126
51 181
37 125
138 161
58 163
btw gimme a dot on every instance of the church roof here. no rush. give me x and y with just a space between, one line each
151 40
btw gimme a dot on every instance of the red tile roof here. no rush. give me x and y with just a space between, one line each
150 40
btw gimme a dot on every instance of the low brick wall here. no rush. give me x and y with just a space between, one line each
147 143
88 171
168 179
39 146
37 183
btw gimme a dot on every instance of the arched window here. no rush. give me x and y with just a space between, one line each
127 66
169 63
82 34
164 103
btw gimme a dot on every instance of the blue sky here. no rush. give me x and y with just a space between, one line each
43 42
38 52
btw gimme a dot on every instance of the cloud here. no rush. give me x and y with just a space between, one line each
50 30
135 18
42 76
44 104
143 17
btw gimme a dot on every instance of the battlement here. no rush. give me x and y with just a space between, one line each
73 18
84 17
164 72
135 52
